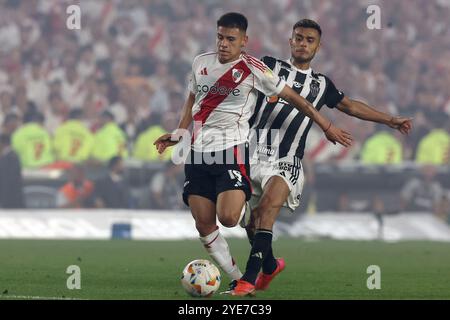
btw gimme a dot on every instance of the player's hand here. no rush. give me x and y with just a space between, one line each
334 134
404 125
166 140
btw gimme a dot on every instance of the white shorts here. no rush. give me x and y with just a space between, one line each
289 168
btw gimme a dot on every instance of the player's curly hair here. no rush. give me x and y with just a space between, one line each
308 23
233 20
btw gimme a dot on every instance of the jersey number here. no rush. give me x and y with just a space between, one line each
234 174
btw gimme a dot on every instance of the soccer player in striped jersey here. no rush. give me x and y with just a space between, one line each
279 133
223 89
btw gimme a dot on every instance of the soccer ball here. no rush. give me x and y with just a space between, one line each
200 278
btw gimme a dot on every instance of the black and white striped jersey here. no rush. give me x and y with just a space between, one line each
278 127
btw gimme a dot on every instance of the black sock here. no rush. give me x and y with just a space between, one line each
261 244
269 263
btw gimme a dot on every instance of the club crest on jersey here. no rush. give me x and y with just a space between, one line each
314 88
297 84
237 74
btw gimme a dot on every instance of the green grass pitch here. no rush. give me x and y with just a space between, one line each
151 269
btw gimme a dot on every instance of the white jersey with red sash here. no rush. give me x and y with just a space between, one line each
225 96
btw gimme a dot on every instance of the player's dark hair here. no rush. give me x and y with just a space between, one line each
114 161
233 20
308 23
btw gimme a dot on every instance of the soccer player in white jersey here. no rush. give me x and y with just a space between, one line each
223 88
278 181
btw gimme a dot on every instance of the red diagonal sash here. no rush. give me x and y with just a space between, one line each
212 100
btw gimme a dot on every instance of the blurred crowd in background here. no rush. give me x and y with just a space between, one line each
112 87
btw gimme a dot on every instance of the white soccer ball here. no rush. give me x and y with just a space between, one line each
201 278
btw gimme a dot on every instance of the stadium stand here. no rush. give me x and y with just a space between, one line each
132 58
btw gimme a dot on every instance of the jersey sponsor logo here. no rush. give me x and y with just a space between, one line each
285 166
276 99
265 150
272 99
314 88
292 168
237 74
221 90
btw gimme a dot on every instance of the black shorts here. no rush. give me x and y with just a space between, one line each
210 173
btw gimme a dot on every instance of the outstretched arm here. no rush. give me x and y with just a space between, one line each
332 133
362 111
170 139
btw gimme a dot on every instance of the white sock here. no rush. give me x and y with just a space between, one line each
218 249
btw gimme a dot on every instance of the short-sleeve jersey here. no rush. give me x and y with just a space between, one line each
225 96
277 126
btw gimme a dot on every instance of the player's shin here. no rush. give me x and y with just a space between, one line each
218 249
261 246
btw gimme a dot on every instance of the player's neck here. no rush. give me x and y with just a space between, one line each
232 59
301 65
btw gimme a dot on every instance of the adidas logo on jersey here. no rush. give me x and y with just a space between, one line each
204 72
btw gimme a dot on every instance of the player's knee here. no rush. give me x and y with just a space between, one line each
229 219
